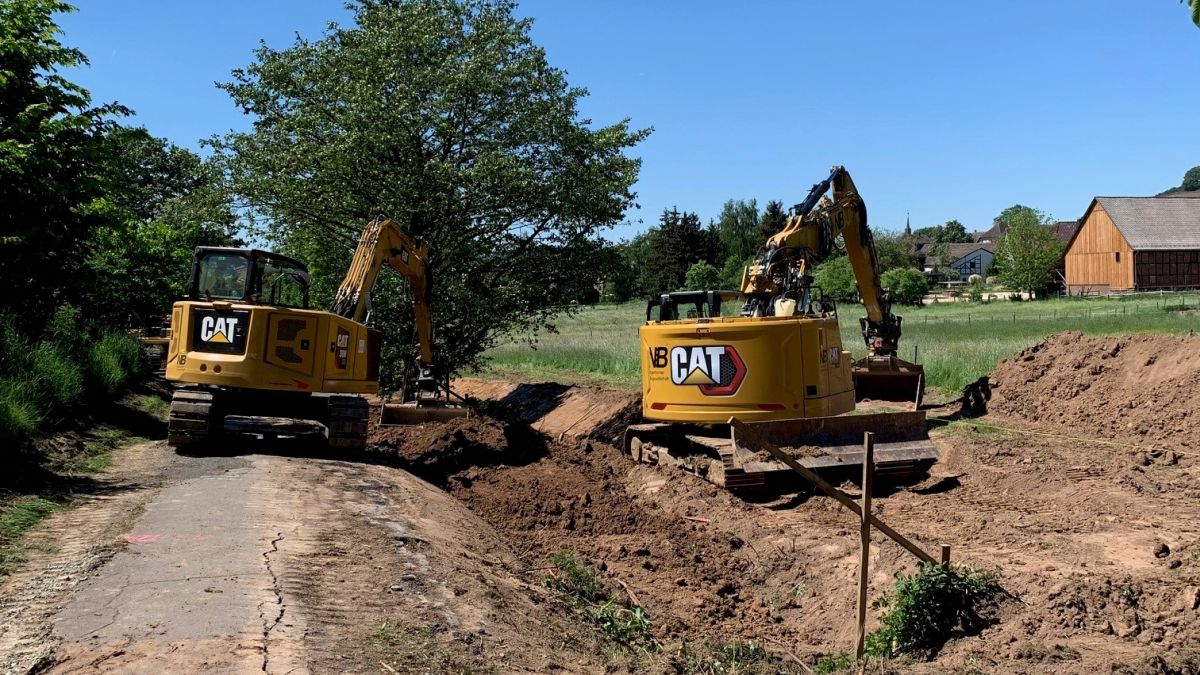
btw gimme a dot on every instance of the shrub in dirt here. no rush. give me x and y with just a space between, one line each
58 379
927 608
833 663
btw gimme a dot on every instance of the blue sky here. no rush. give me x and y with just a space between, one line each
945 109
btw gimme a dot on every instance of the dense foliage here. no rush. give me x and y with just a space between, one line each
836 279
905 285
1028 253
97 224
446 117
928 608
952 232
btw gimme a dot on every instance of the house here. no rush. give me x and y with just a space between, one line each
971 258
1135 243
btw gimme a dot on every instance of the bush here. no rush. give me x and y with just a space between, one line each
114 360
702 277
906 285
19 415
58 379
926 607
836 278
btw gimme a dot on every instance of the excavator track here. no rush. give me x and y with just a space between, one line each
348 419
191 420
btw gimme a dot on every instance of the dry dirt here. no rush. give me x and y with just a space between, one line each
1092 524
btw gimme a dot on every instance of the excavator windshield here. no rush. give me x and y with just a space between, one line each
222 275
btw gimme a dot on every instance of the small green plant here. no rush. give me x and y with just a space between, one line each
154 406
833 663
58 379
925 608
627 626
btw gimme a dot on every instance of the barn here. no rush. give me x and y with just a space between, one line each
1135 243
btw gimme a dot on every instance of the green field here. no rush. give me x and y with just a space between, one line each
956 342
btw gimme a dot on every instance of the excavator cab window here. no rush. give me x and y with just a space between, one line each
221 275
279 282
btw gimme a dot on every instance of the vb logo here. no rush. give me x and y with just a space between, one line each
717 370
218 329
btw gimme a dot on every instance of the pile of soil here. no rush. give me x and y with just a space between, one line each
437 451
1140 388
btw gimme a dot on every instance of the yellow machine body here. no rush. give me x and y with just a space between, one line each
707 370
231 344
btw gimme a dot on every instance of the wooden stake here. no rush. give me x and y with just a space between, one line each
864 539
946 555
749 437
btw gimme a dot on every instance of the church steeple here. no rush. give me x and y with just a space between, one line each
907 225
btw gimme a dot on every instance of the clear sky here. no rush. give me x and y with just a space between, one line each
945 109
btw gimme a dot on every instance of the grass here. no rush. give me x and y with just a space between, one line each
627 627
733 658
15 519
956 342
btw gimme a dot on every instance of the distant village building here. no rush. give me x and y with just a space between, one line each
1135 243
972 258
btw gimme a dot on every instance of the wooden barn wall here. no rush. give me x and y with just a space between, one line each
1167 269
1092 259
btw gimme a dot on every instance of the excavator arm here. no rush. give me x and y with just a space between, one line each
808 238
382 243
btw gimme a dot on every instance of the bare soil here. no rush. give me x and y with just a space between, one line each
1094 530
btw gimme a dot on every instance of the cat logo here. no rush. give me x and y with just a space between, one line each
219 329
717 370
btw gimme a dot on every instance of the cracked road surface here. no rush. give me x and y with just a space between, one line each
265 563
195 583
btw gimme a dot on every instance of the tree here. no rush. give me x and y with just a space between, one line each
1028 252
1190 182
905 285
737 227
51 144
836 278
1193 5
894 251
954 232
732 272
772 220
445 116
702 277
162 201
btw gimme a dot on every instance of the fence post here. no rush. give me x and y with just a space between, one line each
864 534
946 555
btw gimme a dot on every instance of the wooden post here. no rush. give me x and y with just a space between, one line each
747 436
946 555
864 538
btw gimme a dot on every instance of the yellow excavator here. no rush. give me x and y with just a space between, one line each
254 359
779 363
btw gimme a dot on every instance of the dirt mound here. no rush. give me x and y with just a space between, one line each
437 451
560 410
1140 388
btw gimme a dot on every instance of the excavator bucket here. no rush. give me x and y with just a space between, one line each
887 378
397 414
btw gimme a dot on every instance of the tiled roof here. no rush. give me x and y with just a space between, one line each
1155 223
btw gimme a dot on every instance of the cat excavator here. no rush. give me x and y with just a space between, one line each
779 364
252 358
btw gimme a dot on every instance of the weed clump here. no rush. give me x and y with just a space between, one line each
627 626
927 608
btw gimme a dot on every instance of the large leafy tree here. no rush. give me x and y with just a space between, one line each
445 116
161 202
51 151
1028 252
737 227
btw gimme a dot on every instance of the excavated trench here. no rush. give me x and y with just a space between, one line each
1091 519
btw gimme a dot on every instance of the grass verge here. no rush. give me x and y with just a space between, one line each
18 517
